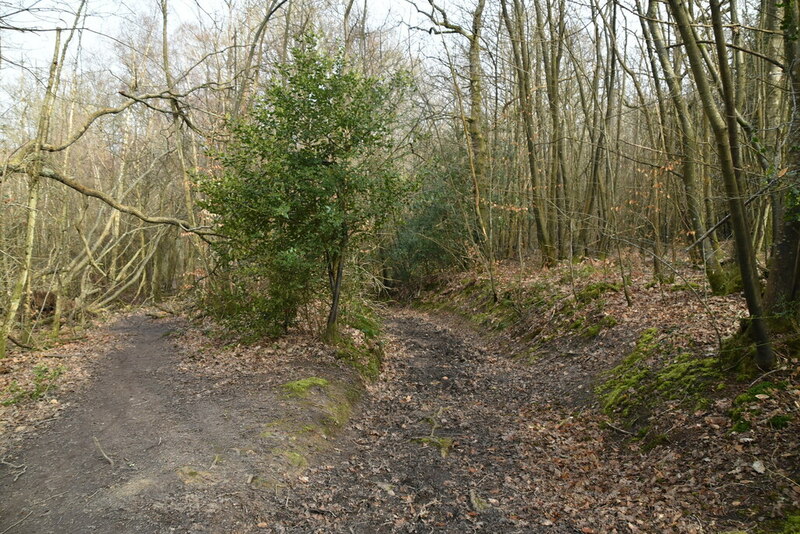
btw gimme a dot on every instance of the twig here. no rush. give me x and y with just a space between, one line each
24 470
760 378
17 523
19 343
87 499
22 467
5 462
50 498
618 429
102 451
787 479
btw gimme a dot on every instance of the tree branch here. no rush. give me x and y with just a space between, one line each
202 231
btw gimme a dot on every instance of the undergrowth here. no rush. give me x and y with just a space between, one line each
364 354
638 382
44 380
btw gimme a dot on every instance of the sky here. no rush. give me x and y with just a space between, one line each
106 16
27 55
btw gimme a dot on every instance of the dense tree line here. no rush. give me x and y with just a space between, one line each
542 130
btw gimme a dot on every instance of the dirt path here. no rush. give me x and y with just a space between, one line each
452 438
433 449
185 449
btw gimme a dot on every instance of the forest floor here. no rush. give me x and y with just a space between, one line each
169 430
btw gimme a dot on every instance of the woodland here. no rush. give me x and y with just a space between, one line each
602 195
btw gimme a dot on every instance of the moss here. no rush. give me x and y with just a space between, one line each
740 426
44 380
443 444
738 356
580 271
265 483
789 525
530 355
295 459
745 406
792 524
338 415
761 388
685 286
595 290
620 391
594 330
779 422
190 475
727 280
302 388
633 386
686 376
364 320
642 433
498 316
655 441
367 358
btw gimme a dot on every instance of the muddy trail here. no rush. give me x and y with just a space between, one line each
451 438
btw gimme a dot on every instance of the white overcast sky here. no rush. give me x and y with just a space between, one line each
106 17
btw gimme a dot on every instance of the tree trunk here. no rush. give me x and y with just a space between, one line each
782 296
522 67
33 168
724 129
690 154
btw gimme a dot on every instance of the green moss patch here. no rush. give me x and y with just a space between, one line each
367 358
789 525
593 330
192 476
779 422
738 355
686 376
294 458
44 380
727 280
444 444
685 286
364 355
595 291
637 382
747 409
620 391
302 388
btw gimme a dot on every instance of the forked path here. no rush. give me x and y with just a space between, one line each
439 444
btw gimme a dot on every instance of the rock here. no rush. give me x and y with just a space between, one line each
758 467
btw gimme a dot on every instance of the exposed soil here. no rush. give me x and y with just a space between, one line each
187 450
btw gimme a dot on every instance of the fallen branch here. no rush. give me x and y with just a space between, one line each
22 468
99 448
762 377
618 429
19 343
